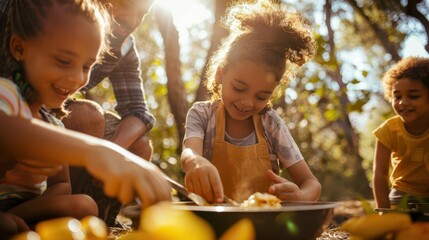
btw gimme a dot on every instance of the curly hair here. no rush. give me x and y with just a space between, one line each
26 19
262 32
414 68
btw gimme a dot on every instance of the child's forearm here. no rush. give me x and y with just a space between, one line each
189 159
34 139
381 191
310 190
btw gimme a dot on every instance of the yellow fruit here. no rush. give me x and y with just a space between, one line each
94 228
65 228
30 235
138 235
418 231
165 223
374 225
241 230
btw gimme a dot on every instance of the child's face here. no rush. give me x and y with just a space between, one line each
127 15
57 61
410 100
246 88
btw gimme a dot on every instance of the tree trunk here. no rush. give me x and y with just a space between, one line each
176 89
411 10
218 33
382 35
359 178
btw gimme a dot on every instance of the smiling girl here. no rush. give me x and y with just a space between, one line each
403 140
233 143
52 45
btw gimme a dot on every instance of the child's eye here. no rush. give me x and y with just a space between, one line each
415 97
62 61
238 89
262 98
86 68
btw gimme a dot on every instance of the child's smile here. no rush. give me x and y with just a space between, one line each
62 93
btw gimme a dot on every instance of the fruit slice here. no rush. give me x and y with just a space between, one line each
374 225
241 230
65 228
166 223
94 228
30 235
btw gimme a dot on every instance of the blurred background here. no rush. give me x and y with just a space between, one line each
331 107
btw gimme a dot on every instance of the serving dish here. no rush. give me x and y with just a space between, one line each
292 221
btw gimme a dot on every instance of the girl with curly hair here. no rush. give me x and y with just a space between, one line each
233 143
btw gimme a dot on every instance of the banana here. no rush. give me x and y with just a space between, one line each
374 225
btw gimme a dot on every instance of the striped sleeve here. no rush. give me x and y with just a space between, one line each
11 102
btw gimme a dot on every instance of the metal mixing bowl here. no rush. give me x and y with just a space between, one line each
293 221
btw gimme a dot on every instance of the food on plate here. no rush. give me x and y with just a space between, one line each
264 200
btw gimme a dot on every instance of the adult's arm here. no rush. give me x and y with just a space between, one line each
127 85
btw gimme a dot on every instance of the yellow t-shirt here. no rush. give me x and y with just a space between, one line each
409 159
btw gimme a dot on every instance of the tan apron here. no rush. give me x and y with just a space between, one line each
243 169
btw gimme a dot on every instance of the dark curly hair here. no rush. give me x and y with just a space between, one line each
414 68
262 32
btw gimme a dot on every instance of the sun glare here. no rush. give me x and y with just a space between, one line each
186 12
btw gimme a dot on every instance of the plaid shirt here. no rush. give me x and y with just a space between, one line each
3 19
125 75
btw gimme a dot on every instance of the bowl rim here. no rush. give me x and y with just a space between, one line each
287 206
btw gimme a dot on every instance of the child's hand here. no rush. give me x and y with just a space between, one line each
282 188
204 180
125 175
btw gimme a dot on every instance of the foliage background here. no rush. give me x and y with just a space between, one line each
331 107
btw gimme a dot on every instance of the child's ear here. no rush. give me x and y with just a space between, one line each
218 75
17 47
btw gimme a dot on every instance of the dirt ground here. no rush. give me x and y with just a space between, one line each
346 210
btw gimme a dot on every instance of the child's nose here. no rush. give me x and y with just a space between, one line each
247 102
78 77
403 101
